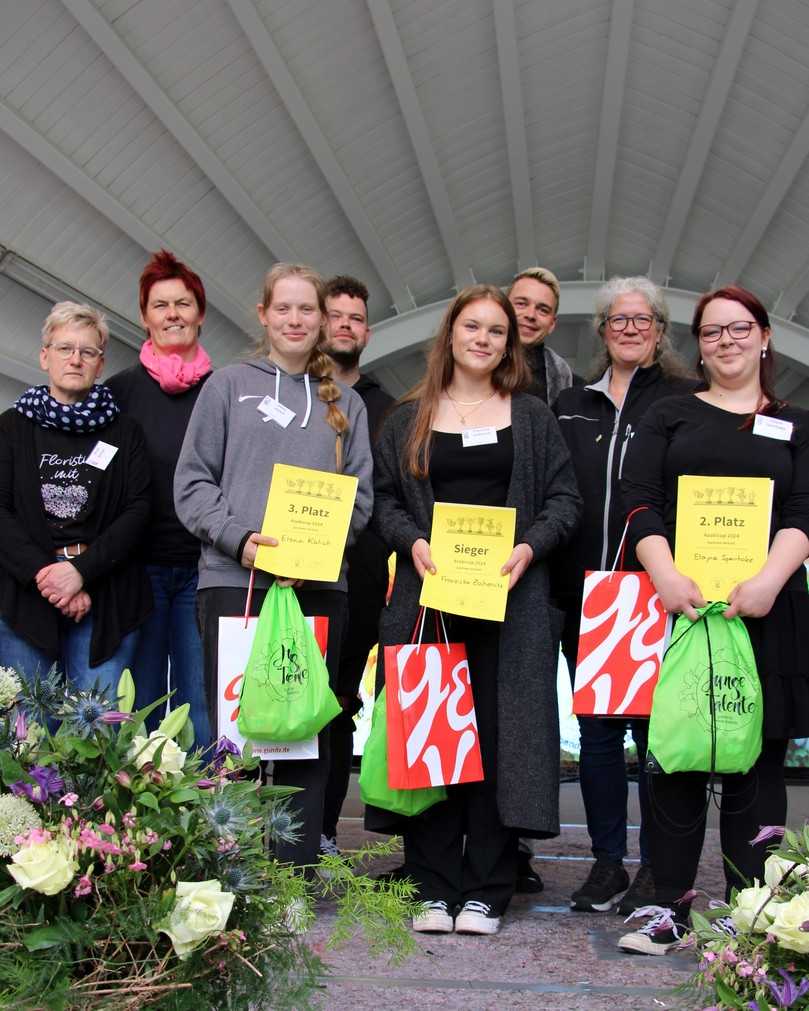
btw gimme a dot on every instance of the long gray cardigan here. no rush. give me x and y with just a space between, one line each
544 493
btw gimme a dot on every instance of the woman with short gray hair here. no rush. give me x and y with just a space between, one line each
74 500
635 367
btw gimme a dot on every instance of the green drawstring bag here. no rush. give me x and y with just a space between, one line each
285 694
707 706
374 787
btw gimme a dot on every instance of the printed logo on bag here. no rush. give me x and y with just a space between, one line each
735 693
287 676
435 712
621 639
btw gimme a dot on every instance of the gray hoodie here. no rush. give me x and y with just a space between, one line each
224 468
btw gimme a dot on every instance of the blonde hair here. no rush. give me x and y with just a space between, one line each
76 314
319 365
544 276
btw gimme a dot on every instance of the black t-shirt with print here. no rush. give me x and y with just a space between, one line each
68 484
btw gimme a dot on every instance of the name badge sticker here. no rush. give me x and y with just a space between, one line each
479 437
772 428
274 410
101 455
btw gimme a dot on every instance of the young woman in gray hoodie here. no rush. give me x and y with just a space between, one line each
223 476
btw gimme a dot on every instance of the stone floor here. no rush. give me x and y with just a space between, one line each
545 956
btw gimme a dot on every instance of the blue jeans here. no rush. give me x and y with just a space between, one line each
170 633
74 656
602 776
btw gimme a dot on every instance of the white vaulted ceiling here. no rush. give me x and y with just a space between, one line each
418 144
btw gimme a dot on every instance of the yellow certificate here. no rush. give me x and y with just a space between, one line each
469 545
722 531
308 513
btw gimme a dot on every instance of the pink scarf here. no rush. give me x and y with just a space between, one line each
173 374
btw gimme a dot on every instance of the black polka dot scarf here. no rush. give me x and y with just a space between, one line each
92 414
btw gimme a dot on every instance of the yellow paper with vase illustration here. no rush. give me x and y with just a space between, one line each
308 513
722 530
469 545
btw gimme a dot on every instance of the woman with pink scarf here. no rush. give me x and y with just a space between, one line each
160 392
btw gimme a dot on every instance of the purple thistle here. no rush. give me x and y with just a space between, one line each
787 994
47 783
767 832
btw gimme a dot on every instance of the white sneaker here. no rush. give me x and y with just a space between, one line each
476 918
434 920
657 937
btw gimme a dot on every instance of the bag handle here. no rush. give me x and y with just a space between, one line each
249 599
419 627
621 552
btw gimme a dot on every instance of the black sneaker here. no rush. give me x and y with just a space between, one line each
604 887
528 881
641 892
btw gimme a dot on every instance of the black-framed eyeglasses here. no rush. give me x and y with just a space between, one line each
66 351
641 321
711 332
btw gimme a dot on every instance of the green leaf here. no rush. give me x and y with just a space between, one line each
84 749
46 937
187 735
11 770
126 691
10 893
726 995
174 722
699 921
183 795
130 730
146 799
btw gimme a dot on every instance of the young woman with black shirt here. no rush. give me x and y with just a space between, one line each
714 432
462 853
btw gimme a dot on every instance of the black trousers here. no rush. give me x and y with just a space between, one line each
676 827
311 774
459 849
367 586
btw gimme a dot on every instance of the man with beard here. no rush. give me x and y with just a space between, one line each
347 334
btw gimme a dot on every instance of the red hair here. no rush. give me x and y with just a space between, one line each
767 366
164 266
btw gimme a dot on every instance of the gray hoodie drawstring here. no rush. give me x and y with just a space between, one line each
305 421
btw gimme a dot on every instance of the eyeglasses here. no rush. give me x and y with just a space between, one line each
711 332
641 322
66 351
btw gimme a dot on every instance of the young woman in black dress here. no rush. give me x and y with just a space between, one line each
462 853
714 432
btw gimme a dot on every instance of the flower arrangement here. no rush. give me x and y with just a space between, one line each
136 872
754 950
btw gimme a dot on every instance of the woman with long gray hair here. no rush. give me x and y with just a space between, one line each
636 366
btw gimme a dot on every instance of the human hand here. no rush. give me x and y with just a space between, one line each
518 561
284 581
752 598
251 546
78 606
59 582
421 557
679 594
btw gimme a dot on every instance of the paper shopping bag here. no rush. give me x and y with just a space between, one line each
432 728
621 640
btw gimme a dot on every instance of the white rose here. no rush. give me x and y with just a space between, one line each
788 922
776 867
201 909
46 867
747 905
142 750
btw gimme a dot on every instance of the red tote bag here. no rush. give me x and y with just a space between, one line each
432 727
622 636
